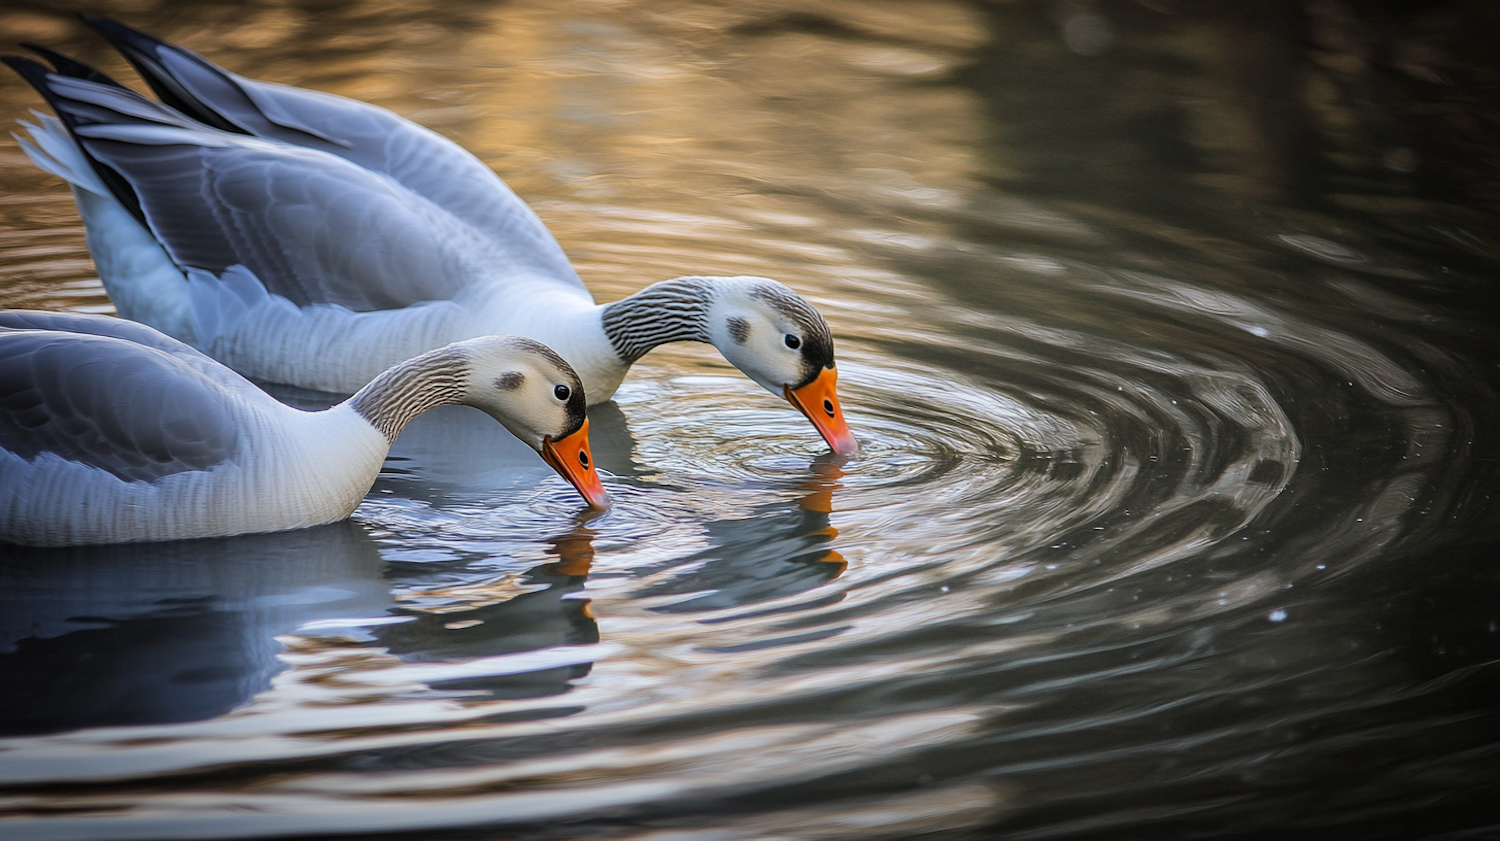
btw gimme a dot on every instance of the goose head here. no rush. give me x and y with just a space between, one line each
536 395
519 382
781 341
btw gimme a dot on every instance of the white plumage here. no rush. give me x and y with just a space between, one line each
314 240
112 432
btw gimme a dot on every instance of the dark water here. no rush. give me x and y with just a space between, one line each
1168 331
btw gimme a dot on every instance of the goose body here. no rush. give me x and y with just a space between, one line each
112 432
309 239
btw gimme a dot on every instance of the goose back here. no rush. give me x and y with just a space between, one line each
372 137
107 439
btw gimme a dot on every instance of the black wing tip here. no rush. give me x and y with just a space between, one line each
33 71
38 76
132 42
112 29
71 67
148 55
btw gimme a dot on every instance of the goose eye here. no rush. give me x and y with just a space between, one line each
792 341
562 393
583 459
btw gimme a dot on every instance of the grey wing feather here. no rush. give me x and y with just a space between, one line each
421 160
132 410
130 331
313 228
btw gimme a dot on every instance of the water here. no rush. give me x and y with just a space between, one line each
1174 516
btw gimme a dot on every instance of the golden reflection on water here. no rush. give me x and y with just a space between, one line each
655 139
816 143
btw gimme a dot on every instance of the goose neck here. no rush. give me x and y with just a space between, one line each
407 389
670 311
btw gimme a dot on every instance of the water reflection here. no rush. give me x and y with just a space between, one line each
1175 511
172 632
178 632
778 550
544 607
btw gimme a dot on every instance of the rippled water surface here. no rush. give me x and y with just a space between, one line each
1174 369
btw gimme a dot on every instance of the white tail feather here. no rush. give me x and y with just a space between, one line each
52 149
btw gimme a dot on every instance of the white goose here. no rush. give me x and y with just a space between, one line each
111 432
305 238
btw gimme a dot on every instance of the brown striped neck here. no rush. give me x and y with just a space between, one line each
670 311
436 378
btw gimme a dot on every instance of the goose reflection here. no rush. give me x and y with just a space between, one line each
541 608
168 632
779 550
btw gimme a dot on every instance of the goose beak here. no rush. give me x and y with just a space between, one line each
819 401
570 457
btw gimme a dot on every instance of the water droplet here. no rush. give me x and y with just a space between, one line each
1277 615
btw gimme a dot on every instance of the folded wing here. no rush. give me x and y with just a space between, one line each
419 159
135 411
313 227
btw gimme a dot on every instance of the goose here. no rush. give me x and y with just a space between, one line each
310 239
112 432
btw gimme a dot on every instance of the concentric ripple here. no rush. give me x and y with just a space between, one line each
1039 512
1151 520
1047 531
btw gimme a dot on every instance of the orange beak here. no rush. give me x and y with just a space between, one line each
819 401
571 459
